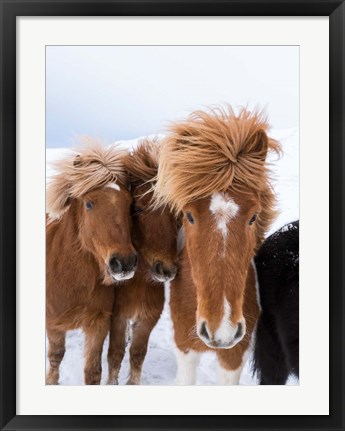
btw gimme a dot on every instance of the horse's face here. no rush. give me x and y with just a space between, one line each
154 235
220 240
104 230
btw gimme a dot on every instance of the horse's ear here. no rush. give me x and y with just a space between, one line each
260 144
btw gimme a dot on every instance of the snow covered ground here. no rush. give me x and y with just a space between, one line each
160 364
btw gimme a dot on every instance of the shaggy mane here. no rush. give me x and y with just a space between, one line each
215 151
91 166
142 163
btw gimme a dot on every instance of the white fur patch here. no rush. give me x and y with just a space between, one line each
113 186
229 377
186 367
225 331
123 276
224 209
232 377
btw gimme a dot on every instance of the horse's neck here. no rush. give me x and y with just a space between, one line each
70 249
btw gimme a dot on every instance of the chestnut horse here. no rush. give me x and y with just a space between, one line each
213 170
141 299
89 248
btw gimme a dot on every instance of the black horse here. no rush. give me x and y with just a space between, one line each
276 352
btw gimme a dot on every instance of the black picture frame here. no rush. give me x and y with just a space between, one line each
9 10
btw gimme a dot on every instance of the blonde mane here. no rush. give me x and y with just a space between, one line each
142 163
215 151
91 166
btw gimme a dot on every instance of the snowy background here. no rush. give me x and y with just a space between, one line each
123 93
160 364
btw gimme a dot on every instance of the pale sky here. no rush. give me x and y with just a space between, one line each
123 92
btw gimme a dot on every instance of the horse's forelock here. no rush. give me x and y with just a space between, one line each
90 166
142 163
212 152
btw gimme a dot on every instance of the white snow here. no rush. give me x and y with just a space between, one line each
160 363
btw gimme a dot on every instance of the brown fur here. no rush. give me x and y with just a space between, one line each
141 299
79 244
217 152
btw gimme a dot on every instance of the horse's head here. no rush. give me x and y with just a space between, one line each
91 188
212 170
154 230
104 229
220 238
154 235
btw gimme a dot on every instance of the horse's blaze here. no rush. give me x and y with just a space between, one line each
114 186
224 208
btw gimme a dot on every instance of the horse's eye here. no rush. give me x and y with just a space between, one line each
88 205
252 220
190 218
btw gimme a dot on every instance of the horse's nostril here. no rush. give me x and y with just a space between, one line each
239 331
169 272
129 263
115 264
164 271
158 268
203 331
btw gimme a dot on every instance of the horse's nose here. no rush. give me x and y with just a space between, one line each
162 272
130 262
239 332
115 264
118 263
204 332
224 337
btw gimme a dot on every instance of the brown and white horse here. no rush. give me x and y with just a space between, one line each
88 249
141 299
213 170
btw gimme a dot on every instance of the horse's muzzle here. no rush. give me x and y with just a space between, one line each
225 338
122 267
162 273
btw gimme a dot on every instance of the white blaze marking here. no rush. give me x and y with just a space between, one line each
225 331
224 209
113 186
186 367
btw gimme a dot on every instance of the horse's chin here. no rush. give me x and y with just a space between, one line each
224 346
161 278
122 276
